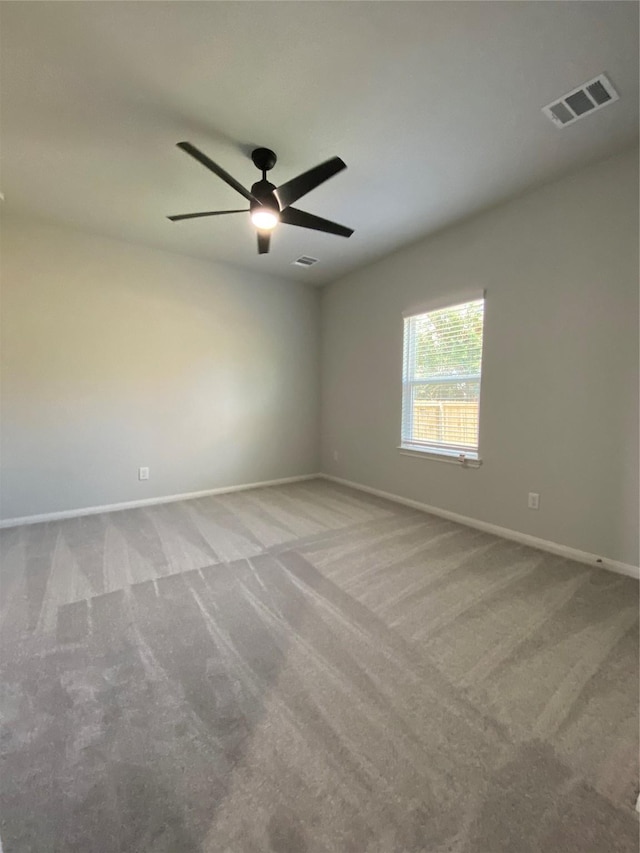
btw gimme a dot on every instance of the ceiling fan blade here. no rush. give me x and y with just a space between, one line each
217 170
264 238
293 216
206 213
303 184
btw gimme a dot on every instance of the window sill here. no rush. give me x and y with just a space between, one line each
441 456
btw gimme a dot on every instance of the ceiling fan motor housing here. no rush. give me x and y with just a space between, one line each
263 192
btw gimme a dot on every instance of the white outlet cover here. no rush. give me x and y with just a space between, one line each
143 473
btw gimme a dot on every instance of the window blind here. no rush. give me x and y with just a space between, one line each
442 369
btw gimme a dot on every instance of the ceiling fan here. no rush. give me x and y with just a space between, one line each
268 204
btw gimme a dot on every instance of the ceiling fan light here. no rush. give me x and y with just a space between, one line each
265 220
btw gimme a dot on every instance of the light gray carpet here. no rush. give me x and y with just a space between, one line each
306 668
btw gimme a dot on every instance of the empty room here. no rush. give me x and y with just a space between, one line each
319 515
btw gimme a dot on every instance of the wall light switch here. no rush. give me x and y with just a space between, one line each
143 473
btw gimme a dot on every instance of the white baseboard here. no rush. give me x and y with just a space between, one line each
504 532
94 510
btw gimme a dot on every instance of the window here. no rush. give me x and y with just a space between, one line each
441 381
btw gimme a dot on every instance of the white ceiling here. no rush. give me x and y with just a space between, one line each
435 108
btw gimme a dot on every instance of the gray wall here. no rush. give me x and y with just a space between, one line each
559 408
116 356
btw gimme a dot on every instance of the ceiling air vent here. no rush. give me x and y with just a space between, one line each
305 261
588 98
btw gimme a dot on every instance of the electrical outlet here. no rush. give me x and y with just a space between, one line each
143 473
335 455
534 500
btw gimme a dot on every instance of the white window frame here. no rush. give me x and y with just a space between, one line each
462 454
